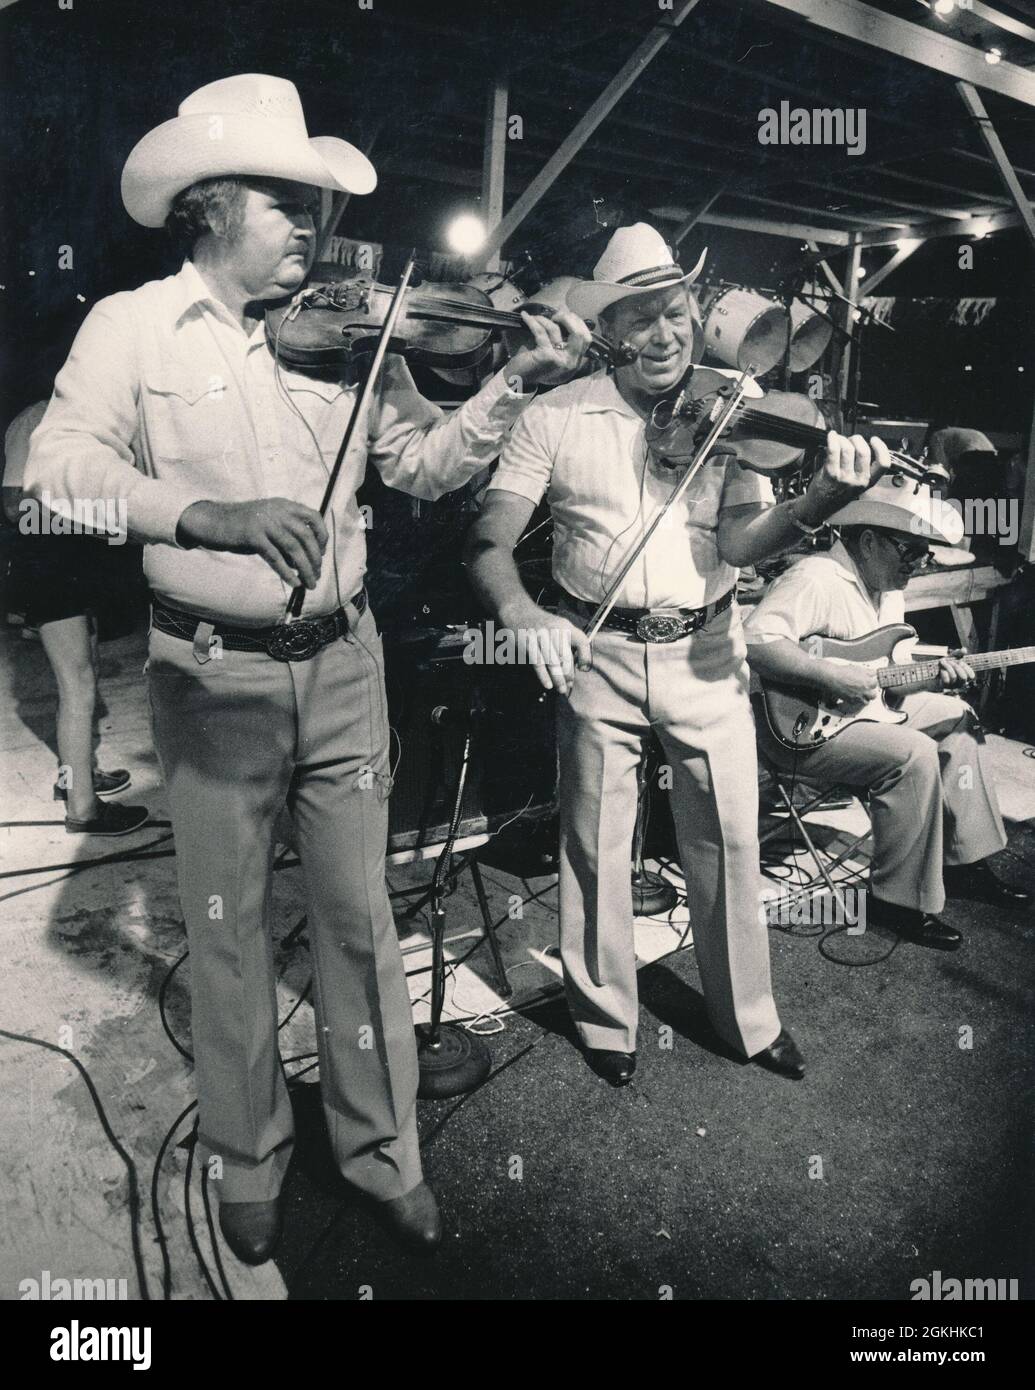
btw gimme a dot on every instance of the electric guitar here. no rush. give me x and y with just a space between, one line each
798 716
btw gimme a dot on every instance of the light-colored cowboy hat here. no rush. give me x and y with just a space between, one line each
250 124
895 503
637 261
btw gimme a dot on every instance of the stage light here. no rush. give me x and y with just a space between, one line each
993 56
981 228
943 8
860 274
466 234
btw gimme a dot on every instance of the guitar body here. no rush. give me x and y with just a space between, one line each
795 714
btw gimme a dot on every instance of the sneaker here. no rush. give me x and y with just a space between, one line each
109 820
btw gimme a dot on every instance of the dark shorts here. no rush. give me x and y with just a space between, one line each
58 577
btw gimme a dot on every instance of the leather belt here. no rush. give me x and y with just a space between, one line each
295 641
655 624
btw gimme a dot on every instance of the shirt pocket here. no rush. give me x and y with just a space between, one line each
186 413
703 497
325 408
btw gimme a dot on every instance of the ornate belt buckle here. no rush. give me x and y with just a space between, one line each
660 627
296 641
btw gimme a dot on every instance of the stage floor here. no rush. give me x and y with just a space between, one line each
901 1152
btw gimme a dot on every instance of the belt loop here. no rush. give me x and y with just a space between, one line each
203 635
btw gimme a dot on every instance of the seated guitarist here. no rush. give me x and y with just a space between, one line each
933 804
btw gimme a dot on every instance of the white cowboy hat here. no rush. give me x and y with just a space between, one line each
248 124
637 261
895 503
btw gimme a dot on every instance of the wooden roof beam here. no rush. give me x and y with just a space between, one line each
998 222
927 47
879 276
627 75
798 231
972 101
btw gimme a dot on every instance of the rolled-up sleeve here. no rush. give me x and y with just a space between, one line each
526 464
418 449
83 448
791 607
744 487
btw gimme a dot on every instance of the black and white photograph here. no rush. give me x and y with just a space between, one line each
517 578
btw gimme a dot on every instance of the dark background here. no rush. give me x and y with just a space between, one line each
81 86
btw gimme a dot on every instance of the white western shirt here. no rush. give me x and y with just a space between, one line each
165 401
821 594
584 445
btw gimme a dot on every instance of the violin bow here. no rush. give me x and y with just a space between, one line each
298 594
698 460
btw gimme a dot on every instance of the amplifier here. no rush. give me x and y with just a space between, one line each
512 770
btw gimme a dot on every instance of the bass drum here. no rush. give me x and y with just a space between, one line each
810 334
744 329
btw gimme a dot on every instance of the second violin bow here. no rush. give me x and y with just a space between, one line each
298 594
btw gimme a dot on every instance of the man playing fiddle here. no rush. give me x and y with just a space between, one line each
583 445
171 400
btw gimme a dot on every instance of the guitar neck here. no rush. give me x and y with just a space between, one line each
913 673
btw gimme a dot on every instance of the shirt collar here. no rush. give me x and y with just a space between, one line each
192 292
849 570
601 394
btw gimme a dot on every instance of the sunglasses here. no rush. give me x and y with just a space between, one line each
918 556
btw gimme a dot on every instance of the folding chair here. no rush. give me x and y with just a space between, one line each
785 785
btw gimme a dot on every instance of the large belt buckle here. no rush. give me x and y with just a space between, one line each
297 641
660 627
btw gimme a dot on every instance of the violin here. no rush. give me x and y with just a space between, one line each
767 433
441 325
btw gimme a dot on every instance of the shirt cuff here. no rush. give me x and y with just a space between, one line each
499 393
155 508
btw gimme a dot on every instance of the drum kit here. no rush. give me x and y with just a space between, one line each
744 328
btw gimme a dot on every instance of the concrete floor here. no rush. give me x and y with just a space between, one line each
901 1152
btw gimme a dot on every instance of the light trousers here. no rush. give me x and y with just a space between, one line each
239 737
693 693
932 793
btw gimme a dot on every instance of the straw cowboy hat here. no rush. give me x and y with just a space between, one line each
895 503
636 261
248 124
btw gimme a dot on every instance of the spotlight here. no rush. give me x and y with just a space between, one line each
993 56
860 274
981 228
943 8
466 234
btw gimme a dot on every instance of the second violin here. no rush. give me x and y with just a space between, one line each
441 325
